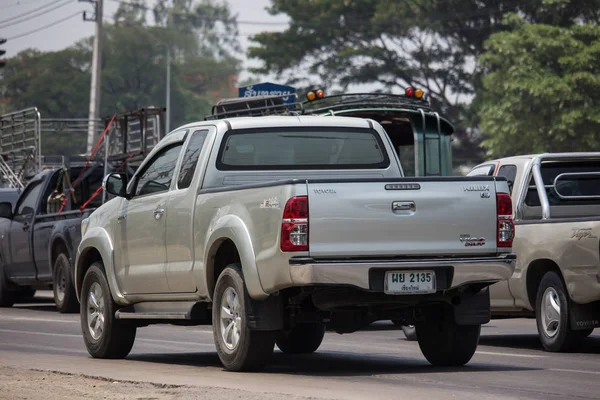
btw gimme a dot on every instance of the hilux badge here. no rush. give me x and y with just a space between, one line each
476 188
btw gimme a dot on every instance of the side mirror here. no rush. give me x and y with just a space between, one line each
6 210
115 184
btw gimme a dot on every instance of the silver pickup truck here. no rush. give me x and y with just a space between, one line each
557 213
269 228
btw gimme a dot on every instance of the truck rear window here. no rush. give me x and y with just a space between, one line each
302 148
575 183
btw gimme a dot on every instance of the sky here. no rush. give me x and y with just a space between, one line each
18 17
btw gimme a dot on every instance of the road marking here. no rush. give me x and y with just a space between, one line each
7 318
39 333
64 321
493 353
577 371
175 342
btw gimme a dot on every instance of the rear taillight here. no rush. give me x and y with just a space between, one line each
294 227
506 227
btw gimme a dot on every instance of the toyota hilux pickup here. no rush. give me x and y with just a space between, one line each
268 228
557 274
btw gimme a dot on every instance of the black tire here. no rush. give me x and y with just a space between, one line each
555 330
253 349
303 338
7 296
117 336
410 332
26 293
446 344
62 285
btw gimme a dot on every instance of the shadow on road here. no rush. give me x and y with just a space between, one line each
330 363
590 345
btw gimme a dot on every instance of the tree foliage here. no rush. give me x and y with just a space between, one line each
133 71
434 44
541 92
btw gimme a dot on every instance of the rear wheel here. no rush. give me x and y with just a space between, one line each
7 297
444 343
62 283
104 335
301 339
552 315
239 348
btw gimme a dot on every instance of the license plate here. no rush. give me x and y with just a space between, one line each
409 282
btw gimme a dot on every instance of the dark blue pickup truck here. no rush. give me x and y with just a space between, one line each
37 242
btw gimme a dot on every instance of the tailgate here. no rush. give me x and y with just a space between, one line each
418 218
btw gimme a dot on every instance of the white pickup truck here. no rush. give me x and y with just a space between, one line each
269 227
557 213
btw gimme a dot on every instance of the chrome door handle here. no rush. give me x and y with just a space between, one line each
159 212
404 206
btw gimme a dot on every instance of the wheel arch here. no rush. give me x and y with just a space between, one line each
97 246
231 232
535 273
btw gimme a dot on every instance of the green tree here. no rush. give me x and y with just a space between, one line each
434 44
541 91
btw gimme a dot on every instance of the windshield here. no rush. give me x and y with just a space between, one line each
302 148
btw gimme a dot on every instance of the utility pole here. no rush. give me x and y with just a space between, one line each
168 90
96 76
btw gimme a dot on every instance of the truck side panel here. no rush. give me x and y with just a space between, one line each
258 212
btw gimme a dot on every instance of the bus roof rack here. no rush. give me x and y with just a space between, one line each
255 106
338 102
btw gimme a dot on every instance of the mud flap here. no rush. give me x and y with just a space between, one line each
473 310
265 315
585 316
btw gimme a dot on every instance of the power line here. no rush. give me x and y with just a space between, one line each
21 3
41 28
33 15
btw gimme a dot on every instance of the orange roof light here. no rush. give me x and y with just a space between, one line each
419 93
311 96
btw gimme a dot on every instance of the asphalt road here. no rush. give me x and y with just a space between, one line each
377 363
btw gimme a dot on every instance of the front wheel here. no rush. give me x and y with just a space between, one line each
104 335
552 314
239 348
303 338
444 343
62 285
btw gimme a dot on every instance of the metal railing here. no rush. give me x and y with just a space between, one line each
20 147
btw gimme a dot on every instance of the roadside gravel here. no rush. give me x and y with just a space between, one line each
27 384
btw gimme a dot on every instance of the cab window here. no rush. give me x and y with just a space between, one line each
157 175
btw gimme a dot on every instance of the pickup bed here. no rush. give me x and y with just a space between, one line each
557 276
38 244
270 227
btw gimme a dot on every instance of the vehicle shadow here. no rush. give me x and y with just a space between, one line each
589 345
330 363
37 304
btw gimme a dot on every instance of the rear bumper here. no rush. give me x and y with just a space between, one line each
369 274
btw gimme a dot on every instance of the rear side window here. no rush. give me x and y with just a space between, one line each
510 173
568 184
482 170
302 148
190 159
